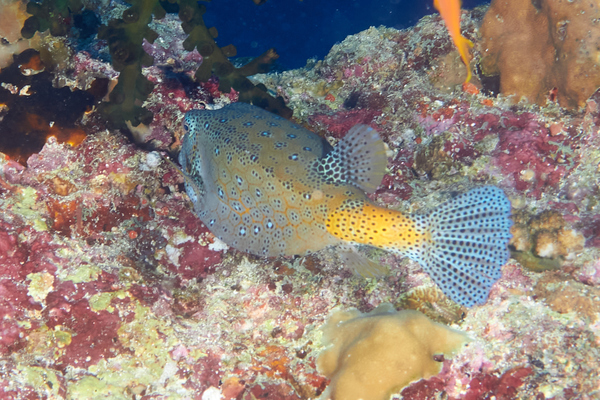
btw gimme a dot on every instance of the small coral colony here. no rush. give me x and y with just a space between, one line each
416 215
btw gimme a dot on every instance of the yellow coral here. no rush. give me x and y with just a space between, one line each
432 302
521 240
546 236
377 354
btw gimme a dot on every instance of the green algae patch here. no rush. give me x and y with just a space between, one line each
61 338
40 225
90 387
46 342
80 274
24 324
375 355
41 378
27 208
41 284
150 367
371 285
26 203
101 301
528 260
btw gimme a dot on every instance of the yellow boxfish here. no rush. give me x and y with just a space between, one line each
269 187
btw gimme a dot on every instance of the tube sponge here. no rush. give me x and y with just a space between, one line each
377 354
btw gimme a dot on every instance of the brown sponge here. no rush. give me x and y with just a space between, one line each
543 46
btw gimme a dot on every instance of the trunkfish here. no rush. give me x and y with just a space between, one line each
269 187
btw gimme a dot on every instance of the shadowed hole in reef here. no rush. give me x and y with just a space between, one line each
32 110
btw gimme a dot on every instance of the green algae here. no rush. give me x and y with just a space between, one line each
61 338
128 275
41 284
371 285
39 225
90 387
27 207
82 273
150 368
44 342
24 324
41 378
487 144
528 260
150 339
101 301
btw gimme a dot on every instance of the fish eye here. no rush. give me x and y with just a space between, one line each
186 128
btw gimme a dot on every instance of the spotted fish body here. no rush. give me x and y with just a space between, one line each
270 187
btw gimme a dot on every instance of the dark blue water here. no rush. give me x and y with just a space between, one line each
300 30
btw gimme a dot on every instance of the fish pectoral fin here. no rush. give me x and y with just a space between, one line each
360 264
359 159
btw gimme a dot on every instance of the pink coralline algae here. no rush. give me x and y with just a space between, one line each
339 123
13 306
481 386
525 145
503 387
18 259
93 334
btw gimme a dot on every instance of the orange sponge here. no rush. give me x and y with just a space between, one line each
537 46
377 354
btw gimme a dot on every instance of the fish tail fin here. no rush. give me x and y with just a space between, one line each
467 244
359 158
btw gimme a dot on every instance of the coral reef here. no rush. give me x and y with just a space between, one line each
110 286
543 50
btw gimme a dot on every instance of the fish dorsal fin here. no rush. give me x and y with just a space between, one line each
359 158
